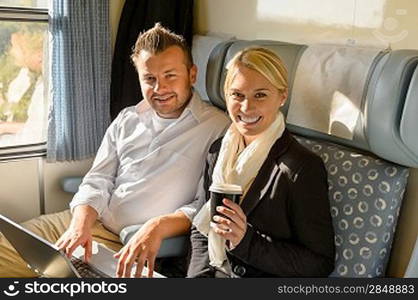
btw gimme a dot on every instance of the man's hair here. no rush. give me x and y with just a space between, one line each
157 40
262 60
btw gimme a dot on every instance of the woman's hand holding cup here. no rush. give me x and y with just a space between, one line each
227 218
230 222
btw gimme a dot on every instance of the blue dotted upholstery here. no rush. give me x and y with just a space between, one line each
365 195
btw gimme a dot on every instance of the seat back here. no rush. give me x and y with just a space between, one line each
365 194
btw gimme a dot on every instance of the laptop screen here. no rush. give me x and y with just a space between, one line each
42 257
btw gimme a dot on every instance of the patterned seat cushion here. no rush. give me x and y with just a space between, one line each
365 195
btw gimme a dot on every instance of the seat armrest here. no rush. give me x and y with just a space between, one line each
171 247
71 184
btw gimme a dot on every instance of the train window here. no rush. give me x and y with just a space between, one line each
25 3
23 77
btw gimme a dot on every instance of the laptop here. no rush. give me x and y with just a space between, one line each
47 260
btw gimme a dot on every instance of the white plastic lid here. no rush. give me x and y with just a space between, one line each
226 188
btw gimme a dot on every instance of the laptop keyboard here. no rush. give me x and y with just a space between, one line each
84 269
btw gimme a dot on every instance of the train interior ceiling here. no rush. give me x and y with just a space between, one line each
31 186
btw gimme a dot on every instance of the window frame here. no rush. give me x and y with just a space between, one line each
23 14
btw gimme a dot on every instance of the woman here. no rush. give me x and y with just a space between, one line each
282 225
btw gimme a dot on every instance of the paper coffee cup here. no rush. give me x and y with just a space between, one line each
218 192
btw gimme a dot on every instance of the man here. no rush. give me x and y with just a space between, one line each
147 168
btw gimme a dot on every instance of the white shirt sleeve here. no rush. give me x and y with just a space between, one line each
191 209
97 186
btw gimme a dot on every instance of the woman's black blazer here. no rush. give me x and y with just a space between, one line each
290 231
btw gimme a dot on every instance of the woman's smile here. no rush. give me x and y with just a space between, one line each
249 120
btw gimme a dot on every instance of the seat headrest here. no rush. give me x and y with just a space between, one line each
384 85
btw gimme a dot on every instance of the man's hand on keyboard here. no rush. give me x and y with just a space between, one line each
79 232
142 247
73 238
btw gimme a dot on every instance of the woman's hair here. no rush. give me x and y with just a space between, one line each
262 60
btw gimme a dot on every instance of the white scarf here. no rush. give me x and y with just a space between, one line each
238 165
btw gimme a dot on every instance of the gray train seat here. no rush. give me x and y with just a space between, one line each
365 194
369 167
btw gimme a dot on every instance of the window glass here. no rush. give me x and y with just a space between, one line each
23 97
25 3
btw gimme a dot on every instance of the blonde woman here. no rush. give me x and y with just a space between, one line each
282 225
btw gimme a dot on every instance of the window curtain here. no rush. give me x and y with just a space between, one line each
138 16
80 78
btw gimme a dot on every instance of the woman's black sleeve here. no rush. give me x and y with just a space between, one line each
310 252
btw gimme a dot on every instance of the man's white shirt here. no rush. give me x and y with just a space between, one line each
147 166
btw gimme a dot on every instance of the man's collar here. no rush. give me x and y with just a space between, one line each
195 106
